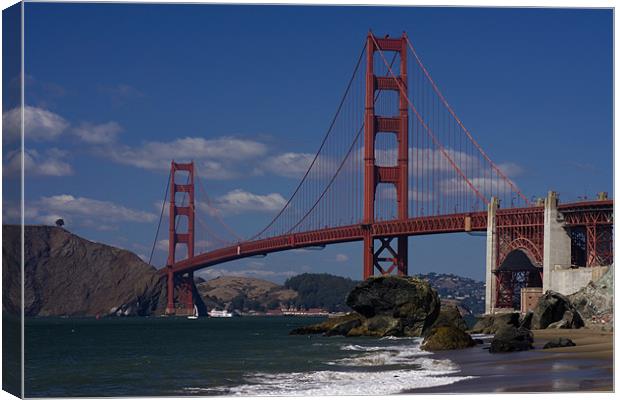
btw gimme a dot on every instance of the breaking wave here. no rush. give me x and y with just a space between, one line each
365 370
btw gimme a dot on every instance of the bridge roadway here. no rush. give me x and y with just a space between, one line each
449 223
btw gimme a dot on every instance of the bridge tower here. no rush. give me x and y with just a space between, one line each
375 174
186 237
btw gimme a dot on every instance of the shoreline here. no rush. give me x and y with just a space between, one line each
585 367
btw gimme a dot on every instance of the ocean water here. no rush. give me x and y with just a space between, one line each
220 356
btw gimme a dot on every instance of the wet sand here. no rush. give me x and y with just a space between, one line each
588 366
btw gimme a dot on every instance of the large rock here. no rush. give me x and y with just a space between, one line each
595 302
526 320
570 320
379 326
559 342
555 307
492 323
447 337
336 325
510 338
449 315
343 328
410 300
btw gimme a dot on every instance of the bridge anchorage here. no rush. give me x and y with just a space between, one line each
396 162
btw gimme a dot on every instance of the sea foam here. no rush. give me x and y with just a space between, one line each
319 383
369 370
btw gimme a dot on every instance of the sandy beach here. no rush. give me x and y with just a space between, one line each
586 367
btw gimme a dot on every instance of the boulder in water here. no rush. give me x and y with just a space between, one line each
559 342
379 326
491 323
510 338
449 315
343 328
337 324
447 337
410 300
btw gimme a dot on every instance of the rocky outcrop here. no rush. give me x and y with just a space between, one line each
343 328
336 325
449 315
447 337
492 323
510 338
570 320
378 326
68 275
526 320
409 300
595 302
559 342
553 308
385 306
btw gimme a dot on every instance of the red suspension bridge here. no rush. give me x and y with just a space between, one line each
396 161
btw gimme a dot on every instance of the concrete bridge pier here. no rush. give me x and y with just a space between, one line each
491 261
556 245
556 251
542 242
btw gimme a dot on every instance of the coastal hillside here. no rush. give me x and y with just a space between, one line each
324 291
321 291
466 293
69 275
243 293
329 291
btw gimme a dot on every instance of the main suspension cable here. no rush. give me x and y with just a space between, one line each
161 216
469 135
329 130
433 137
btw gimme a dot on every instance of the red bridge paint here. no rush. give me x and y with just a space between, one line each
442 179
525 223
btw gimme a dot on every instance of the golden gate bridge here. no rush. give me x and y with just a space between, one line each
396 161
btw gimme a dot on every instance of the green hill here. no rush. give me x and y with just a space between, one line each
320 291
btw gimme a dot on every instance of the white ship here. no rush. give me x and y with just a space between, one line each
220 314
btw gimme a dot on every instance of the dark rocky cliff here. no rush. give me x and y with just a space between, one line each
68 275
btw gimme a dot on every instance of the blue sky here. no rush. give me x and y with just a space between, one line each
115 90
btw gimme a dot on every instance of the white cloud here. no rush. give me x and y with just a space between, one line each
510 169
36 164
215 158
97 134
162 245
39 124
238 201
84 212
342 257
290 165
485 186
